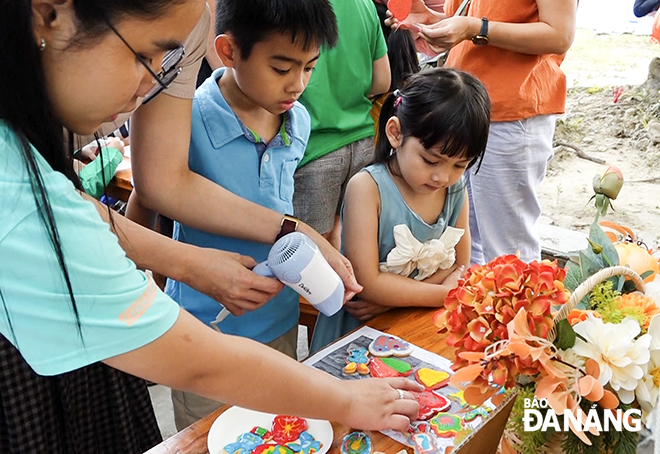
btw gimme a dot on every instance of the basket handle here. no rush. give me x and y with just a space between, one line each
584 288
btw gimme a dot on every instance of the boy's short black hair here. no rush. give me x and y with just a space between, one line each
310 22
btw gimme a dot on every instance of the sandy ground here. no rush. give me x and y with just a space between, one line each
614 132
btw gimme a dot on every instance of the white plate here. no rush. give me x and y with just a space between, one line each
236 421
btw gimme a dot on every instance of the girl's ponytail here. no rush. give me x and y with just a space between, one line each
383 147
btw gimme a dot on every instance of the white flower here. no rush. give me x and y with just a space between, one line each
653 289
649 386
621 357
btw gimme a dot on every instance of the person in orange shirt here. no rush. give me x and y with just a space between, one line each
515 48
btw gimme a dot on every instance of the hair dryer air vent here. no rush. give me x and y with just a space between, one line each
287 249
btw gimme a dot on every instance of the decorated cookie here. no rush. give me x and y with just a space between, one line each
245 443
308 444
286 429
356 443
389 346
389 367
479 412
446 425
235 448
418 426
458 397
400 9
271 449
357 361
432 379
264 433
423 443
430 403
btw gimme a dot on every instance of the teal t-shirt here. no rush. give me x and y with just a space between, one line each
337 96
120 308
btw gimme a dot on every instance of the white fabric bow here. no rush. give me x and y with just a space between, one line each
409 254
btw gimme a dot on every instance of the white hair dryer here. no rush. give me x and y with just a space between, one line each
297 262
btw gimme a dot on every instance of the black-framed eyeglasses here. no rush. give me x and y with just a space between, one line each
170 68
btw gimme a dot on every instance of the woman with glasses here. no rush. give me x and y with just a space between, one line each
78 321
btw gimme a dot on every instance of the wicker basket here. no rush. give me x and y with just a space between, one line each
584 288
553 445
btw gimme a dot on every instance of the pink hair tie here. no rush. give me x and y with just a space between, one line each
398 98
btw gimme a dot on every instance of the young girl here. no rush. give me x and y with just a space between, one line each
405 217
78 322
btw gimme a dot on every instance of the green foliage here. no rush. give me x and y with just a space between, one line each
532 442
604 299
612 441
573 275
565 335
602 295
599 254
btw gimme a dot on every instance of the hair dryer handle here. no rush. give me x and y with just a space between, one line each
262 269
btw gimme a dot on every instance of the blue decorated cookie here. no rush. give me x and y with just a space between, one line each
356 443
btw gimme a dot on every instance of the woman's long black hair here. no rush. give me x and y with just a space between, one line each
24 104
401 51
436 106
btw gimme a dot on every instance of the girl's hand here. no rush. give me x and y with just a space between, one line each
376 404
439 276
365 310
447 33
451 281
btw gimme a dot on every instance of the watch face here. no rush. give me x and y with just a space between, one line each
480 40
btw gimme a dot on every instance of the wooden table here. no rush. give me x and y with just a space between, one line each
413 325
120 187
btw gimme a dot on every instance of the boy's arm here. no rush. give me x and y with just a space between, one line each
160 137
360 230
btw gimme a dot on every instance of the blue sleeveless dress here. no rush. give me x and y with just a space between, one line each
394 211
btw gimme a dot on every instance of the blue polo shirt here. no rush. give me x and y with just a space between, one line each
226 152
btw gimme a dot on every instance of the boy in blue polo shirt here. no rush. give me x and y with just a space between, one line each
248 135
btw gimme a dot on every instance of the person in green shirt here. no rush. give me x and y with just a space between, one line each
337 99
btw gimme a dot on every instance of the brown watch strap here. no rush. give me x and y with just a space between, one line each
289 224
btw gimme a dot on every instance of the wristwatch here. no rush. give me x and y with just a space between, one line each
482 38
289 224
